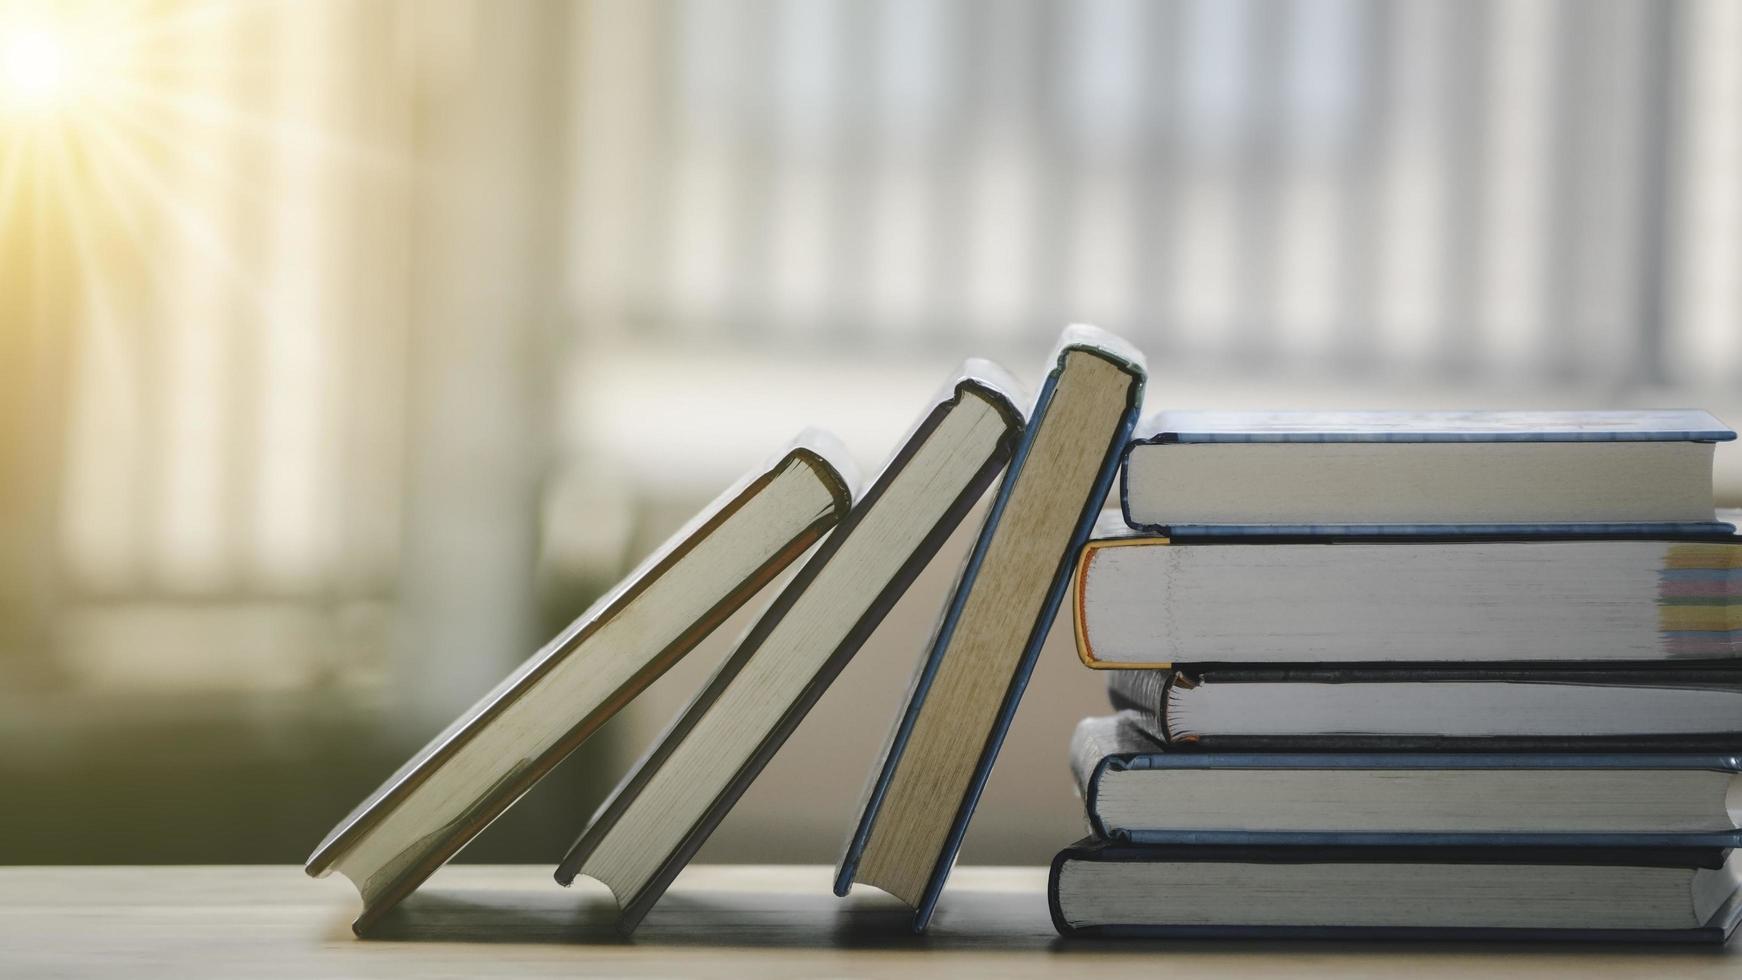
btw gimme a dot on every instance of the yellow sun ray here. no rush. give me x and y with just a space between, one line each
159 27
99 160
101 325
123 205
180 216
279 134
12 155
187 158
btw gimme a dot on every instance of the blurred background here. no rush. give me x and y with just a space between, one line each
348 349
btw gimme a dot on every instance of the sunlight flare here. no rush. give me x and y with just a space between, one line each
113 96
35 67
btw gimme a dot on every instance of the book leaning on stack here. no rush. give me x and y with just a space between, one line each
855 552
1437 675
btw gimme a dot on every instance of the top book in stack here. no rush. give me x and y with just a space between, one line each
1208 474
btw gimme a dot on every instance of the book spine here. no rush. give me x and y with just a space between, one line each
1055 597
1703 935
1145 837
1637 530
1692 675
1647 742
1053 907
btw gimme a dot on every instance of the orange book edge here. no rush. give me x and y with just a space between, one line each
1085 652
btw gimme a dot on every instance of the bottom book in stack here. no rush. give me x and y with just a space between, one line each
1562 845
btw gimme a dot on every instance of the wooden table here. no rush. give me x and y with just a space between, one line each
762 922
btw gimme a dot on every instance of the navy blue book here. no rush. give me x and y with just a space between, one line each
1219 474
1678 707
1649 895
967 688
1134 791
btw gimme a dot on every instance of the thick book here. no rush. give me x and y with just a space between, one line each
1145 601
664 810
1682 707
1136 791
1649 895
1190 474
966 689
470 773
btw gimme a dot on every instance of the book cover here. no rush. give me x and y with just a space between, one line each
1148 695
815 454
1201 428
1075 340
1676 425
1716 930
1619 530
1122 744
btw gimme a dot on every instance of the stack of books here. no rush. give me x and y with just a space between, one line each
1473 673
1428 675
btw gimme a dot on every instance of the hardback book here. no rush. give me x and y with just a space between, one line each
1685 895
966 689
1149 601
1136 791
1681 707
667 806
470 773
1189 474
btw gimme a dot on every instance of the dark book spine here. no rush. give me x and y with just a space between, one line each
1719 742
1154 693
1687 675
1091 850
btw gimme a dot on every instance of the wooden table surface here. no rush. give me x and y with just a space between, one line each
472 920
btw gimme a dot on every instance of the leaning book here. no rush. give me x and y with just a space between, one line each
966 690
474 770
664 810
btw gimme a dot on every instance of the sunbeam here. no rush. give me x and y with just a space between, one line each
183 216
97 101
100 318
291 137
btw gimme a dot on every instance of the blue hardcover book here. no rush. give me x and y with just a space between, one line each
1561 894
1136 792
967 688
1683 708
1204 474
